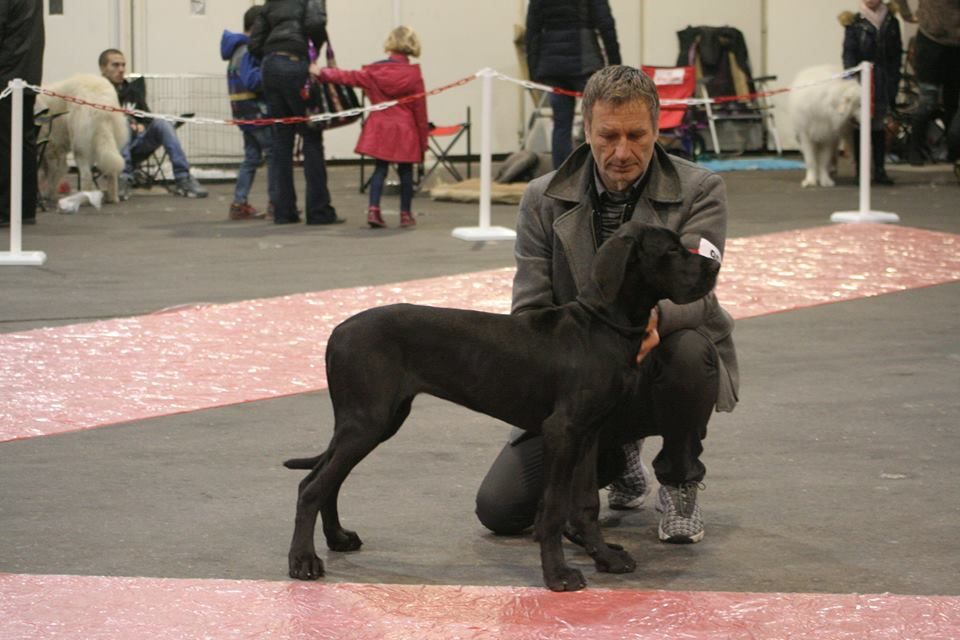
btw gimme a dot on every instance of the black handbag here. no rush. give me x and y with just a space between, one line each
329 97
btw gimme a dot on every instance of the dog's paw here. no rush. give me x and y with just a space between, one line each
305 566
808 182
566 579
344 540
614 560
826 181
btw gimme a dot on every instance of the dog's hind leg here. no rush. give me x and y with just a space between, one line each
354 437
825 154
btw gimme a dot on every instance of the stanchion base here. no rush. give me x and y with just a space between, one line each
864 216
22 258
479 234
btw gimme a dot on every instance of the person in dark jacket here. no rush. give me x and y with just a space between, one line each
146 134
873 35
936 61
397 134
21 56
563 50
247 103
687 361
280 39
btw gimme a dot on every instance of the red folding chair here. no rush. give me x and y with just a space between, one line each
679 125
442 152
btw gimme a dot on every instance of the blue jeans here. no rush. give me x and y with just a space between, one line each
159 133
405 171
283 77
562 143
256 149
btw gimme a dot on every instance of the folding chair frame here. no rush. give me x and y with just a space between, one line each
763 112
441 155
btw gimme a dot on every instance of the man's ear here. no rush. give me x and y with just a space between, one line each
610 266
586 130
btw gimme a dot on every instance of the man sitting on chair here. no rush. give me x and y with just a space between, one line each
146 134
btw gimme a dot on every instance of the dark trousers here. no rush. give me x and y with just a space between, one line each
938 76
561 143
379 177
674 398
283 78
29 157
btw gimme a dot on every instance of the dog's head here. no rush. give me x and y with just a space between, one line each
641 264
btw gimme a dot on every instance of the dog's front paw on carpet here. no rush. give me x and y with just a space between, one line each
614 560
344 540
305 566
566 579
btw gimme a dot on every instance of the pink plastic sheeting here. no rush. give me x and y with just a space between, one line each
87 375
93 607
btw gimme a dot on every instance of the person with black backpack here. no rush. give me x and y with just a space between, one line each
563 42
280 38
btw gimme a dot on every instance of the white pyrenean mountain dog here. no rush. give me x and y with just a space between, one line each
96 137
823 114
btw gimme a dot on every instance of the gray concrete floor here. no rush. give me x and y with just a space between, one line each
835 474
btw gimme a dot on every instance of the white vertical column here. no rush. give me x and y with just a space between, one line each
484 231
865 214
16 255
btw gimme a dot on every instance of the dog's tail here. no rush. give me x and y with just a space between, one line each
305 463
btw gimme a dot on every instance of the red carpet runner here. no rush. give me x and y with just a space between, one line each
88 375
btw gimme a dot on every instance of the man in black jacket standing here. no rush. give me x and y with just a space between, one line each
21 56
563 51
279 38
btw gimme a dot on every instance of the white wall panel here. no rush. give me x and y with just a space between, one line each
459 37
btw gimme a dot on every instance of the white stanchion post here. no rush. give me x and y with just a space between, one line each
865 214
16 255
485 231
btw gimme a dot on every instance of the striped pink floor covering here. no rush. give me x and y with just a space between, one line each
87 375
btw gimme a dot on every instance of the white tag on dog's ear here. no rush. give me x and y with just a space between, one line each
708 250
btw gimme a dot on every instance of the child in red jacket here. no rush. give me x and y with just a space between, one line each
397 134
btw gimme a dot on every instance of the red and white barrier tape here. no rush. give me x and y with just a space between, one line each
526 84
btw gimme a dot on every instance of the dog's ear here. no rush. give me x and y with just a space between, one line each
610 265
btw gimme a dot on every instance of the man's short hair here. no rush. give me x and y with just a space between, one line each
618 85
102 60
250 16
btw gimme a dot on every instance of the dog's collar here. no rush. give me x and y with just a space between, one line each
625 330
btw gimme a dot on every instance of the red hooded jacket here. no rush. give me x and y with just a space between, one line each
397 134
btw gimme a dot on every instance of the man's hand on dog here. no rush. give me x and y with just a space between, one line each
651 338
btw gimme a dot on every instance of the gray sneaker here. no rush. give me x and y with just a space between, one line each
630 490
188 187
681 521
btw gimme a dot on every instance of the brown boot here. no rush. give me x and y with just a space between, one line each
407 219
374 219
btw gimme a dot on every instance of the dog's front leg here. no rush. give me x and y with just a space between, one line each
585 517
560 443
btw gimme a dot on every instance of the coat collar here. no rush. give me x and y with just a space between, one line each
570 182
574 227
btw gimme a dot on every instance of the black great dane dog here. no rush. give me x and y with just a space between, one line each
560 370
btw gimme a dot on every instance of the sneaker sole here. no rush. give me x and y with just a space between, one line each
678 539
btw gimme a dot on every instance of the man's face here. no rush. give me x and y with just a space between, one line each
621 138
114 68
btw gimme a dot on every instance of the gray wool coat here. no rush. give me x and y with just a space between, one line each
556 244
